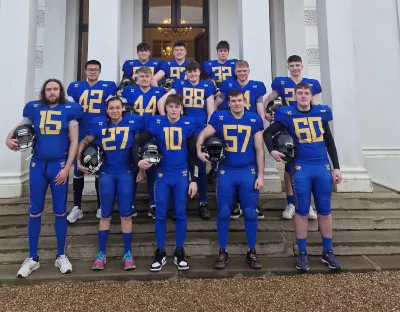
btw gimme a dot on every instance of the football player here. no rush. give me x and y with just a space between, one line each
91 94
142 100
241 172
55 121
174 69
198 102
283 87
115 134
309 128
174 134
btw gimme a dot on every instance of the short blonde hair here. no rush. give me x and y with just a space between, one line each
242 63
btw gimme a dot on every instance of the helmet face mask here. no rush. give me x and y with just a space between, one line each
284 144
272 107
214 147
151 153
25 135
93 158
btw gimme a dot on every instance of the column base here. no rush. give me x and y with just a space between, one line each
11 185
272 182
89 188
354 180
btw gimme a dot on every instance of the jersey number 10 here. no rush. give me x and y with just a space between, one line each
170 141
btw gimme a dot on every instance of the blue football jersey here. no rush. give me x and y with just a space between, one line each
131 67
173 70
172 138
252 91
143 103
307 131
92 100
116 141
51 127
285 86
238 136
195 99
220 72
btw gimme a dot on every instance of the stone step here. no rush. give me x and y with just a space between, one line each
204 244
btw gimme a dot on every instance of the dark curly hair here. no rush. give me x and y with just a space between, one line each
43 99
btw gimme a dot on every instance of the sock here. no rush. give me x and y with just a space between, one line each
160 227
60 225
34 225
127 242
180 230
97 187
223 231
290 199
77 187
250 227
302 244
103 237
326 245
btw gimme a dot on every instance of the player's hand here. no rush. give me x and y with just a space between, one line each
143 164
12 144
140 176
259 183
119 93
278 156
217 94
203 157
269 117
337 176
62 176
192 189
81 168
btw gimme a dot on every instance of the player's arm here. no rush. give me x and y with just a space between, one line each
207 132
271 97
260 158
157 77
273 129
260 108
219 100
140 140
332 152
85 142
161 102
12 144
210 107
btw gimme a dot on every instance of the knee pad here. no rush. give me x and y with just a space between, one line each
224 213
250 213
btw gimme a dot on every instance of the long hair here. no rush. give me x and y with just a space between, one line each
43 99
108 118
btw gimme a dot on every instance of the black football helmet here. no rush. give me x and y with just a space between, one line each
215 148
272 107
25 135
284 143
165 83
93 158
151 152
126 82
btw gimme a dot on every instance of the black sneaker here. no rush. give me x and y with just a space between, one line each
260 213
252 259
180 259
222 259
160 260
204 212
236 212
152 212
211 176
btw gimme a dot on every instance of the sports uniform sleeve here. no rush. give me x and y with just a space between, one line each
126 69
275 85
157 66
215 122
331 147
28 111
192 157
177 86
165 68
75 112
270 132
127 94
316 87
139 123
111 90
326 113
210 90
281 116
262 91
224 89
94 128
160 93
152 126
139 142
259 125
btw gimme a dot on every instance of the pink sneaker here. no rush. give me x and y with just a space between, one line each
99 262
129 263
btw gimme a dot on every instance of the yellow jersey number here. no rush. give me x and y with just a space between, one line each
308 134
89 106
247 103
111 138
222 72
46 121
175 72
193 98
135 72
170 141
232 146
288 99
150 108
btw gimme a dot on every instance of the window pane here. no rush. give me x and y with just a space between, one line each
191 12
85 15
159 11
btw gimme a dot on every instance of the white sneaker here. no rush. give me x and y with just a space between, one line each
98 213
75 214
27 267
312 215
288 213
63 264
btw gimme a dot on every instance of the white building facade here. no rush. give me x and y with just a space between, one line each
351 46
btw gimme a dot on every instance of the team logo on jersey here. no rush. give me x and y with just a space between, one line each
130 63
169 63
184 173
187 123
160 175
105 85
33 164
100 123
157 92
222 172
76 85
255 86
230 85
131 121
68 106
62 164
35 105
289 113
323 110
132 91
158 121
328 167
253 120
282 82
253 171
221 117
298 168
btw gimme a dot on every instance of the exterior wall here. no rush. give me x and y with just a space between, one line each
40 76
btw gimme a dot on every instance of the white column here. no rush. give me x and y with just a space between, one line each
278 41
227 24
255 48
128 50
137 23
338 71
72 39
104 36
213 27
17 82
54 38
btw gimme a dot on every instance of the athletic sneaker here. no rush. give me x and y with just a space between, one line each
288 213
311 214
152 212
260 213
160 260
180 259
133 211
222 259
252 259
28 266
330 259
100 261
237 212
129 263
302 262
98 213
204 212
63 264
75 214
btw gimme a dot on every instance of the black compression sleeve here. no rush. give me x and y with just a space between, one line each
139 141
192 156
270 132
331 147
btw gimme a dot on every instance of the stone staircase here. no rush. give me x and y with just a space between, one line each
365 225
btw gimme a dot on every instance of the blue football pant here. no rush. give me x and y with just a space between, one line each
150 173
